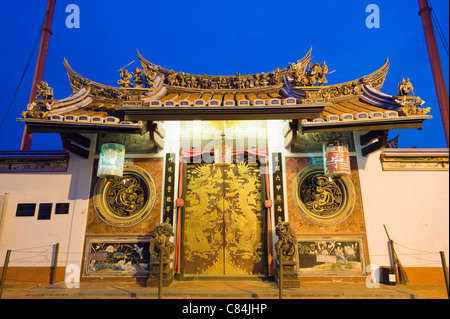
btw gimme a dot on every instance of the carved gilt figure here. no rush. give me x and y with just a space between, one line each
323 70
275 77
287 241
43 103
137 77
125 81
405 87
44 91
149 75
412 106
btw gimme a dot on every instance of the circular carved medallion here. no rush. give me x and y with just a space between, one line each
127 200
322 200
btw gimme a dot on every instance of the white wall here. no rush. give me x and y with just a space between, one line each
414 206
31 240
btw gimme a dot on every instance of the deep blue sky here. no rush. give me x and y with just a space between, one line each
219 37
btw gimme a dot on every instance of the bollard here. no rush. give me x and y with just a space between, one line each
55 264
5 268
280 274
444 266
394 261
161 264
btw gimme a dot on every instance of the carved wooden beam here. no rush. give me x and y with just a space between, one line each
76 144
381 142
78 139
68 146
157 134
158 128
290 133
372 136
156 139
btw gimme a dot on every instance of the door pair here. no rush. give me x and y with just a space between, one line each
223 231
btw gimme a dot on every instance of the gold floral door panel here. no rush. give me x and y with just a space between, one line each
223 220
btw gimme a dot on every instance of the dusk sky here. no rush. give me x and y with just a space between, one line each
219 38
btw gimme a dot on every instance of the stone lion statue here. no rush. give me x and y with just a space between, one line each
287 241
161 241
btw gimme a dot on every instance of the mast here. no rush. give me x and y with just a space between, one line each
40 66
436 68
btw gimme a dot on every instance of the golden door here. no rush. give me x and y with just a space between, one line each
223 220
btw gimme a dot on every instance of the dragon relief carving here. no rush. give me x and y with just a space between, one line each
201 218
126 197
242 233
222 220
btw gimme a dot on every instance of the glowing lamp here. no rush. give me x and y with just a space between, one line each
222 152
110 164
336 159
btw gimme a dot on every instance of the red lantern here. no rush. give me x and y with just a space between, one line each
336 158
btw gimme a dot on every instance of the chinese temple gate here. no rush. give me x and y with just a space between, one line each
217 164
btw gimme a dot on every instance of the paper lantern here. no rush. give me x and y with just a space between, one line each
336 158
110 164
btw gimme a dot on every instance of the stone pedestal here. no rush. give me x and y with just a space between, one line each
153 276
290 276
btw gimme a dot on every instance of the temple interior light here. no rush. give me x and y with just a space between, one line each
223 150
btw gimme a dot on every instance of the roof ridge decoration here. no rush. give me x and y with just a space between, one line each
298 93
334 92
42 104
405 101
301 83
151 79
225 82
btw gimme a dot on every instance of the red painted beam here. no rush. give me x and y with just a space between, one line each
40 65
435 61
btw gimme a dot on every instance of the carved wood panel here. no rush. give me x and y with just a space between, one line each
223 220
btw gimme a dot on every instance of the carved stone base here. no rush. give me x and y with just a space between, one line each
153 276
290 276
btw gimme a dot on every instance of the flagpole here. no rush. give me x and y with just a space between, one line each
40 66
435 62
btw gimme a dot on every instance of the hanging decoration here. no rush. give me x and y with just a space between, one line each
111 161
222 152
336 159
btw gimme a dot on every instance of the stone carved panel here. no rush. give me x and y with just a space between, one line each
354 223
95 225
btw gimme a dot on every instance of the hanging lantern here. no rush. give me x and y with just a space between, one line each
336 158
222 152
110 164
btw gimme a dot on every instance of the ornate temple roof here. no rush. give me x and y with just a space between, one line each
299 92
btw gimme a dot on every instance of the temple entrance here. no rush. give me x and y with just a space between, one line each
224 220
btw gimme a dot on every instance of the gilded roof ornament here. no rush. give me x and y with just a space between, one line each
149 76
138 77
44 91
405 87
42 104
125 79
411 106
315 74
